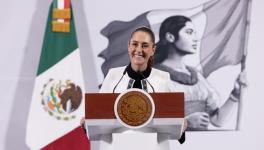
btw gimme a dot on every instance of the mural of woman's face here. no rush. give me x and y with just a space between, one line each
187 41
140 49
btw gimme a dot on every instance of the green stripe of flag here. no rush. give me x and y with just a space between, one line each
55 3
56 45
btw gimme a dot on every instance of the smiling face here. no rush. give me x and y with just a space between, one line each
140 49
187 41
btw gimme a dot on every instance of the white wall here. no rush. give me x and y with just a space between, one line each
22 27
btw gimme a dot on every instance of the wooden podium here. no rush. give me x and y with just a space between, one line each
167 122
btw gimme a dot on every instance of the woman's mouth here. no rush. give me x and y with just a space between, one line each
139 55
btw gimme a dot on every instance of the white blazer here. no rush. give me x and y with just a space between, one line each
159 80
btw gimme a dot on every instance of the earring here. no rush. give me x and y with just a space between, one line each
169 37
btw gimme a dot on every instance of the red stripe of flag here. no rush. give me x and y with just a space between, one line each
67 4
74 140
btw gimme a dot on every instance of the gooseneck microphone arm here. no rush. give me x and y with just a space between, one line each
147 81
120 79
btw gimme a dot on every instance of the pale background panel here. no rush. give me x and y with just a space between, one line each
22 28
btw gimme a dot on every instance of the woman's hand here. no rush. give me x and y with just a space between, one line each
185 124
198 120
82 121
241 82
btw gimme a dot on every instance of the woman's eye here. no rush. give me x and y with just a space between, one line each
145 46
189 32
135 44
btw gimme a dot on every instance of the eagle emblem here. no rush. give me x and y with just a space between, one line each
60 98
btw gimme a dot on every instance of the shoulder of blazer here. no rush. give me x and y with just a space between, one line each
112 77
116 72
117 69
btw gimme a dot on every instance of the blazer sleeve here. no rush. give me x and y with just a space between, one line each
106 85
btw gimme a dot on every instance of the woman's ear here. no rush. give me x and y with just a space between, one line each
128 45
170 37
154 49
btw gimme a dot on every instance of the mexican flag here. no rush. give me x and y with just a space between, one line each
57 103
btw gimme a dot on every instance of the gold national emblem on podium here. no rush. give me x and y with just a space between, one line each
135 108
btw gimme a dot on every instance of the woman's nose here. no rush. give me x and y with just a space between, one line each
139 48
195 39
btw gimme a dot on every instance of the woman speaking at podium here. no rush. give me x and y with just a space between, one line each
138 74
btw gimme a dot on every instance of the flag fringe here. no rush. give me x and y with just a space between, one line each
60 26
61 13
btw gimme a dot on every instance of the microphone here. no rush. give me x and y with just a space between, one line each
147 81
120 79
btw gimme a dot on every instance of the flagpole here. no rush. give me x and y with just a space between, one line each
243 66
